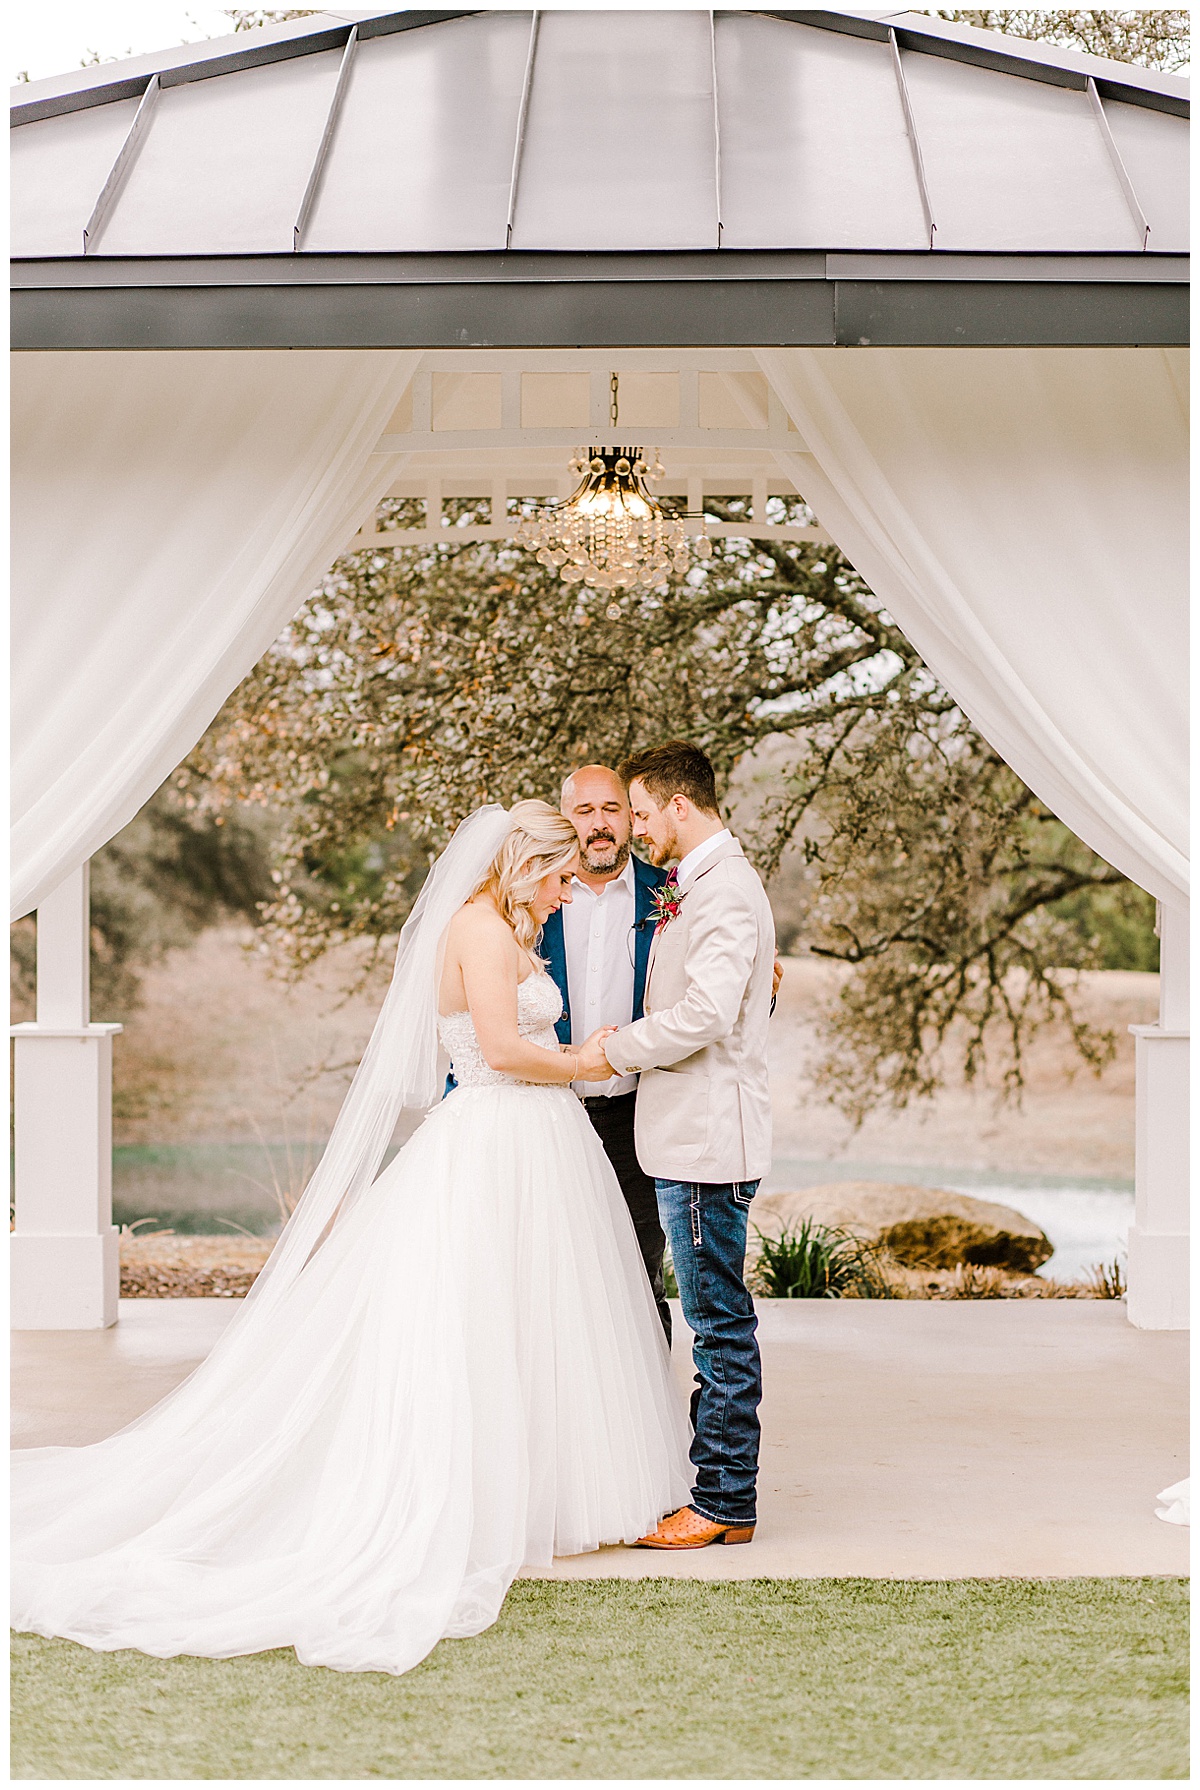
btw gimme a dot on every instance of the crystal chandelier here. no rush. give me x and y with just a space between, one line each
612 533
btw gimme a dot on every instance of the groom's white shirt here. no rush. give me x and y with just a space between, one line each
704 1108
688 868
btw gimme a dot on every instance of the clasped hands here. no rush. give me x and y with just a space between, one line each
593 1064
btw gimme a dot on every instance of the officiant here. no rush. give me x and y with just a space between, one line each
597 948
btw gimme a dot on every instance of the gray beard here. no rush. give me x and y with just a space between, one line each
593 869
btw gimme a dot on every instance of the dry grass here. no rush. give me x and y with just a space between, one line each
968 1281
160 1265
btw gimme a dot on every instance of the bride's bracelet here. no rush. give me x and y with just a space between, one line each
574 1075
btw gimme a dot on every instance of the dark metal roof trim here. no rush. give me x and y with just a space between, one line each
643 313
530 267
1008 62
1117 268
254 55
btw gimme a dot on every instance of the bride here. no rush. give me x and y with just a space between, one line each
445 1372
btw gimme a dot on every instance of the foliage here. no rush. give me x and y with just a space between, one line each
1155 39
941 879
818 1261
155 886
417 684
1118 922
250 18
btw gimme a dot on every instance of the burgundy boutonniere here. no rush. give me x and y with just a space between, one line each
668 899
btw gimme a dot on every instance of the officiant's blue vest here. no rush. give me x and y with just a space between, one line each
552 947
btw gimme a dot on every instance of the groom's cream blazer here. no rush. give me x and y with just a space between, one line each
703 1102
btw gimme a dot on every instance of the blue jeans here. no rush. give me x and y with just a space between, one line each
705 1223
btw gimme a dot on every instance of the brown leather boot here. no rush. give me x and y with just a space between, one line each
686 1528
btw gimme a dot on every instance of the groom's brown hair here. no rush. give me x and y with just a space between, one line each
676 768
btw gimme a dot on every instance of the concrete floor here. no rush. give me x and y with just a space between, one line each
900 1440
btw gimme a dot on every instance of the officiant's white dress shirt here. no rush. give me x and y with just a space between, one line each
598 940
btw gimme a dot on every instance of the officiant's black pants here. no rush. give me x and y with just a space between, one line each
612 1121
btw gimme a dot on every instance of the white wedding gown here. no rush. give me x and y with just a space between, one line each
467 1377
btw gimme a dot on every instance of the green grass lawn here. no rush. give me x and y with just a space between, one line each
813 1678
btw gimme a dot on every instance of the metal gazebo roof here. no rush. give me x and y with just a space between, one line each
583 178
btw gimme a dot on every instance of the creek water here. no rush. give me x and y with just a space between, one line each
1086 1220
230 1187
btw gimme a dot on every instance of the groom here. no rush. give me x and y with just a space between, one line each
704 1114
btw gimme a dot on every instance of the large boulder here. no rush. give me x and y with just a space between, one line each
921 1227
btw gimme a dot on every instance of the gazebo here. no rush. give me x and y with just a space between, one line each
932 279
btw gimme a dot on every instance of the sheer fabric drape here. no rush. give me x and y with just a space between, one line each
171 511
1023 515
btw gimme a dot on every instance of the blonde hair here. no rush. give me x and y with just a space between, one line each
540 841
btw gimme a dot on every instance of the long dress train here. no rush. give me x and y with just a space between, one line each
468 1376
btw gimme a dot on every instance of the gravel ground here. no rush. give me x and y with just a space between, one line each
167 1267
163 1266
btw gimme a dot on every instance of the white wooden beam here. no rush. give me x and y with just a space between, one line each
512 440
599 399
589 360
422 405
510 398
689 408
63 953
64 1251
1159 1239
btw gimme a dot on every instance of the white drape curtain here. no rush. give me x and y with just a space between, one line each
1022 513
171 512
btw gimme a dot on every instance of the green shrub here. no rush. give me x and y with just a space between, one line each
818 1262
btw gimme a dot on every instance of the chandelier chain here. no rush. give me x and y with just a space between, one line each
612 406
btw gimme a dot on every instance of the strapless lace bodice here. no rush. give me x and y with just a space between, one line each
539 1005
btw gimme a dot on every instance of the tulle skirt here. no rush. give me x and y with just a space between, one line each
467 1378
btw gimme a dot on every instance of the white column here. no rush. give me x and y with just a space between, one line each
65 1265
1159 1238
